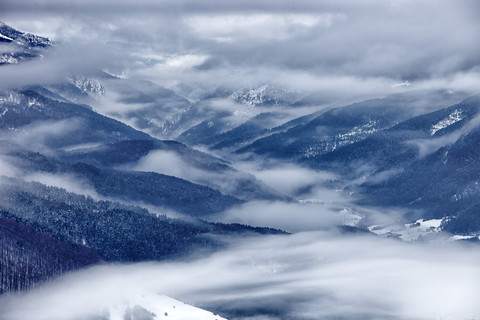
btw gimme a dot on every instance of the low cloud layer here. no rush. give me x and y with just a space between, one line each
291 217
288 179
303 276
58 63
323 47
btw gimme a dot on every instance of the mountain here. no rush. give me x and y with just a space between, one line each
78 230
70 179
101 169
317 134
437 161
56 124
266 95
78 134
384 149
18 46
165 115
60 125
149 107
212 132
147 188
386 155
425 165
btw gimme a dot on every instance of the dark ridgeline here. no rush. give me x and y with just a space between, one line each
46 231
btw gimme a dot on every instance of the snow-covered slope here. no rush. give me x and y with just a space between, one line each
19 46
454 117
154 306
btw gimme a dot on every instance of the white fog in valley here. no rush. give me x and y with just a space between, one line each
308 275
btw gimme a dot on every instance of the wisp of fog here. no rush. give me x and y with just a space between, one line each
310 275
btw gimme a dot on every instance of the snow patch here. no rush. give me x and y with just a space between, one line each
155 306
409 231
454 117
3 112
462 237
8 59
88 85
5 37
10 97
356 134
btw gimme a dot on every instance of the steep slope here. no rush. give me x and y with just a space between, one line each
58 124
318 134
158 111
147 188
29 256
172 158
210 132
253 113
19 46
78 134
117 232
426 165
400 144
439 173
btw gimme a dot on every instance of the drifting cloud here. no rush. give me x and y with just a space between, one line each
429 146
166 162
7 169
58 63
302 276
228 181
288 179
320 46
291 217
68 182
38 135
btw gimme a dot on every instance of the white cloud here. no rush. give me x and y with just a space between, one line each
291 217
266 26
165 162
68 182
185 61
7 169
289 179
306 275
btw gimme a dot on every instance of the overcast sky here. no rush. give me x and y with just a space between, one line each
365 46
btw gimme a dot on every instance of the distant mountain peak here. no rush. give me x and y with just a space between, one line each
265 95
87 85
20 46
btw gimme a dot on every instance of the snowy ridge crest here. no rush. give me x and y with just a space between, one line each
88 85
265 94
